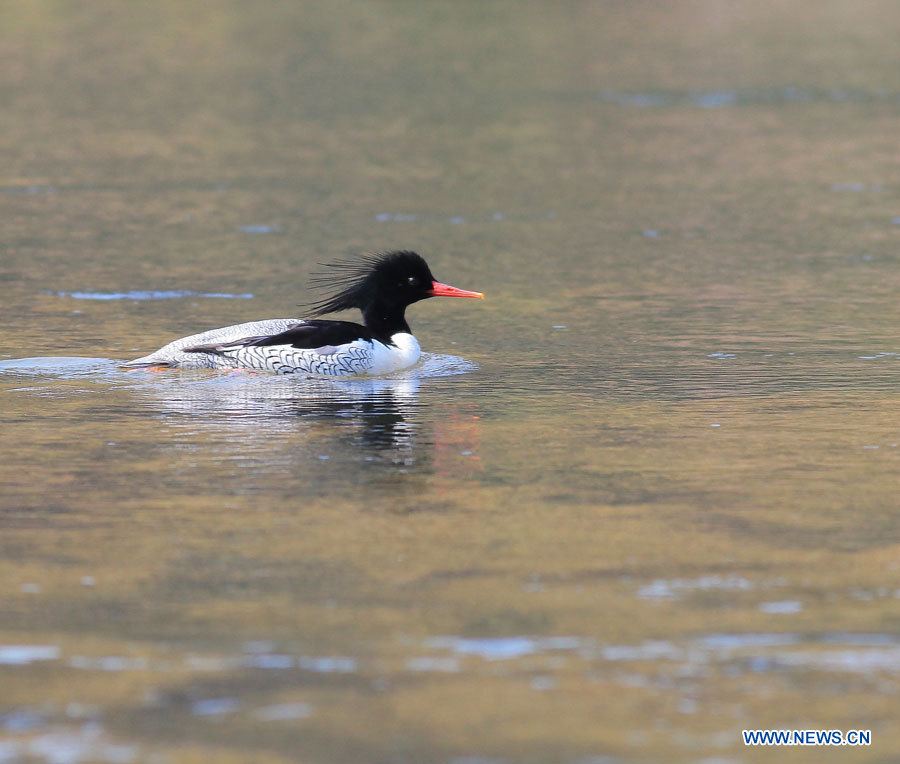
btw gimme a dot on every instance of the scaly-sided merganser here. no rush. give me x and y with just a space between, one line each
381 286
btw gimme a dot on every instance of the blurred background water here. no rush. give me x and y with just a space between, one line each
641 498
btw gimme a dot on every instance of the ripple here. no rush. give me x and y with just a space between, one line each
328 665
24 720
22 655
215 706
269 661
61 367
108 663
504 648
675 588
483 217
781 607
32 190
79 367
856 187
725 98
87 744
751 652
260 229
499 648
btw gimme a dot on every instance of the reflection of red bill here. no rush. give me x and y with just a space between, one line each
445 290
457 446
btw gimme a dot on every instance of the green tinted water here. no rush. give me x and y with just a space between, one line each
639 499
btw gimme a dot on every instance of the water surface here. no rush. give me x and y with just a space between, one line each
642 497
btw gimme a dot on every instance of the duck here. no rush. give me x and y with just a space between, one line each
382 286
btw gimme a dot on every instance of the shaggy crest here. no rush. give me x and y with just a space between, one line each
352 277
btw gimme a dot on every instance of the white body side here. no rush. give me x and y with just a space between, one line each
358 358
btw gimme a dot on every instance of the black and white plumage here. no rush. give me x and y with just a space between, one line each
381 286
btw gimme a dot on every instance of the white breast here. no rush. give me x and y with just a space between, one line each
404 353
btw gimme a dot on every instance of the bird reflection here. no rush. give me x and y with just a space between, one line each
383 417
272 422
248 432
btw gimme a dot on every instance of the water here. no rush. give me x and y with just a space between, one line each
639 499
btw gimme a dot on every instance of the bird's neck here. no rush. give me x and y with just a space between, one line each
385 321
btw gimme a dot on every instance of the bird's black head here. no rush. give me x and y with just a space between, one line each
399 278
382 286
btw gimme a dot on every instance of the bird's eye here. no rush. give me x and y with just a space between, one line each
412 281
